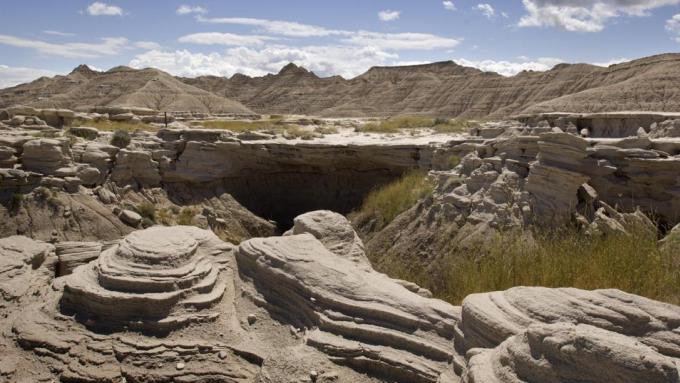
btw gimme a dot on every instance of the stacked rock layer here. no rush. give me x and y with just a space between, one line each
154 280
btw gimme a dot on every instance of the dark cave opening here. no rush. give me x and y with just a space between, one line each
281 197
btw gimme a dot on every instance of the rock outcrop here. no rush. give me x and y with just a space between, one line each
356 316
154 281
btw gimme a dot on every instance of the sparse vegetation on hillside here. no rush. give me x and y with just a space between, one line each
396 124
386 202
632 263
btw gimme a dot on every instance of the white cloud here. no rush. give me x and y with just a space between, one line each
486 9
217 38
147 45
388 15
611 62
188 9
284 28
346 61
102 9
673 26
511 68
584 15
391 41
108 47
448 5
399 41
58 33
10 76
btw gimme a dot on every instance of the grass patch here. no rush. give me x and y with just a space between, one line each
147 210
295 131
396 124
186 216
112 126
635 264
388 201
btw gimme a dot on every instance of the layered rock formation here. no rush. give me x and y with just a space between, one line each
305 307
357 316
152 281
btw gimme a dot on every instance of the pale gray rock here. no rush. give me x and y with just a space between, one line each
334 231
74 254
566 352
358 317
45 155
135 167
130 218
26 265
157 279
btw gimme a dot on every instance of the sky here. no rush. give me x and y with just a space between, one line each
193 38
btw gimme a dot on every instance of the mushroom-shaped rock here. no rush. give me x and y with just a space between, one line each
155 280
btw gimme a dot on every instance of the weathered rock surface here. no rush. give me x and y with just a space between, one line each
74 254
355 315
152 281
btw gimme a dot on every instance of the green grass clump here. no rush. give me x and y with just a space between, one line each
633 263
388 201
121 138
147 210
112 126
186 216
396 124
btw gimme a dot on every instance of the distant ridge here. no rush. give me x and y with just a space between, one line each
437 89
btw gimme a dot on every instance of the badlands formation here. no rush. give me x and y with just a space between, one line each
184 254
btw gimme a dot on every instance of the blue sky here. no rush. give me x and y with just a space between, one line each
329 37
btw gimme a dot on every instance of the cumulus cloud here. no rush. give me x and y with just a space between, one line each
11 76
188 9
486 10
673 26
584 15
217 38
346 61
511 68
102 9
388 15
448 5
108 47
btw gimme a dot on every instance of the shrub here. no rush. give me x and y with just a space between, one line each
147 210
42 193
186 216
16 200
164 216
294 132
388 201
121 138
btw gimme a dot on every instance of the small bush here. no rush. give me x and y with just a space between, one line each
42 193
147 210
16 200
326 130
164 216
121 138
294 132
388 201
186 216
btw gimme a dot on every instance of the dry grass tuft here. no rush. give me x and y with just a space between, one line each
388 201
633 263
